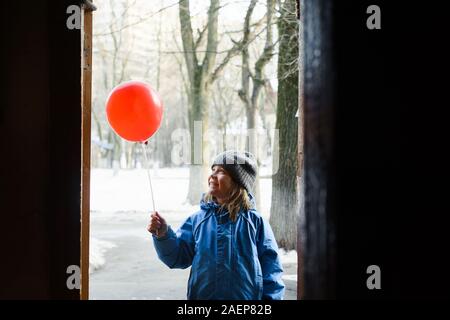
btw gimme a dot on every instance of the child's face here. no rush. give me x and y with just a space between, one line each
220 183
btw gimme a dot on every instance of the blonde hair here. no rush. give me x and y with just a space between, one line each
239 199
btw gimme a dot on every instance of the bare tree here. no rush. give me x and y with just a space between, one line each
253 80
114 52
226 107
284 207
201 75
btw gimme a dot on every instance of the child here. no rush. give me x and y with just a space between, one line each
231 248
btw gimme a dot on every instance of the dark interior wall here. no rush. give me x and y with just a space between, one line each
376 159
390 138
367 140
40 130
391 132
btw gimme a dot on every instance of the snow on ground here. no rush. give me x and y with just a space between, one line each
288 256
129 190
97 250
289 262
289 277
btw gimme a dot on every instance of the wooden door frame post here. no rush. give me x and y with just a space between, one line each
86 100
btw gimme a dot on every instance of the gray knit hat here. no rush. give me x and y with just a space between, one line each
240 165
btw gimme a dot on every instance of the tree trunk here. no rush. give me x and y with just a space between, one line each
110 152
252 146
284 208
117 152
200 77
200 157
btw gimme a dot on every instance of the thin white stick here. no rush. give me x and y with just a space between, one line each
144 149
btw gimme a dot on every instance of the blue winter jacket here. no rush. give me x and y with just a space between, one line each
230 260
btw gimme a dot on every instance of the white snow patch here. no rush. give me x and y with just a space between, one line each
97 250
289 277
129 190
288 256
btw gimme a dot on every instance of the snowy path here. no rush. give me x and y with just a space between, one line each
132 269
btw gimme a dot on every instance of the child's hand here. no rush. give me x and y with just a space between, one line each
157 225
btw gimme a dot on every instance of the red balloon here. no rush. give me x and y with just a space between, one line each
134 111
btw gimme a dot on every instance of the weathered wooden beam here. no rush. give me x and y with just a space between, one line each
318 209
86 80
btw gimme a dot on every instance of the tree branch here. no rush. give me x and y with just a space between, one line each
245 77
200 37
253 25
183 78
237 47
265 56
210 57
230 54
139 21
188 39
